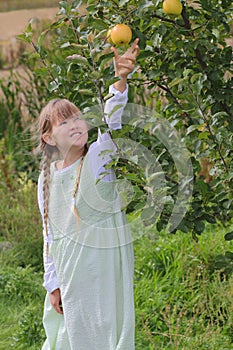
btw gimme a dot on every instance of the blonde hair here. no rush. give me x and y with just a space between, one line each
55 111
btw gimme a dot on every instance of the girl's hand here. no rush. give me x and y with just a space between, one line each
125 63
55 300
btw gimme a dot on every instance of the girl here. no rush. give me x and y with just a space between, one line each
88 255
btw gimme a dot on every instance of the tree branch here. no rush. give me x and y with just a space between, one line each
167 20
169 92
45 65
198 56
210 131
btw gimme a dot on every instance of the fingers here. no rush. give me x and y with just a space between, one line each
58 308
55 300
134 48
137 51
126 65
116 55
129 58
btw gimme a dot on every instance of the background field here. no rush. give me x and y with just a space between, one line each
9 5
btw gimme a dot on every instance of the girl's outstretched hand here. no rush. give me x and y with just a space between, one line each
125 64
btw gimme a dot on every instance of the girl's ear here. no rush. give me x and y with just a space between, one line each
48 139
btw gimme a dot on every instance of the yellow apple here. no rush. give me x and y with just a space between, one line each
172 7
121 34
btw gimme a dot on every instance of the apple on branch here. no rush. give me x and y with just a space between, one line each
172 7
119 35
109 36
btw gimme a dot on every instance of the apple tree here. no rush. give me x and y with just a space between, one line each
184 76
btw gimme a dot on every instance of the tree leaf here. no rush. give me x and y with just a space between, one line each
229 236
123 2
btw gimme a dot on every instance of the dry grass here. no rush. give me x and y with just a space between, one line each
11 49
10 5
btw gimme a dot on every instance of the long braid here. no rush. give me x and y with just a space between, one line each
79 169
45 188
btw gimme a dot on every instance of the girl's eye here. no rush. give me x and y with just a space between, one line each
63 123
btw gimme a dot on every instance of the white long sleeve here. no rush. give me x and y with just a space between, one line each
114 122
50 277
119 99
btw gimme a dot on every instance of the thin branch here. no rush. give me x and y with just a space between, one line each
45 65
75 31
165 88
129 15
201 62
169 92
210 131
167 20
187 24
116 3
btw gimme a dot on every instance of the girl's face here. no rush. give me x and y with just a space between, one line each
69 133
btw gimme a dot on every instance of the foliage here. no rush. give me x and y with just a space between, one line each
181 300
19 106
20 225
177 81
20 283
185 302
21 295
183 288
29 332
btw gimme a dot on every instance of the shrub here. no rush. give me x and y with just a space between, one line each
180 301
21 224
30 332
23 284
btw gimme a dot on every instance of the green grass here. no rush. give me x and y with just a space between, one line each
17 329
11 5
10 314
183 288
21 307
183 300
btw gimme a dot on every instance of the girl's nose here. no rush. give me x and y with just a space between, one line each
73 123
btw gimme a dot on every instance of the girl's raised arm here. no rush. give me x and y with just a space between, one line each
114 107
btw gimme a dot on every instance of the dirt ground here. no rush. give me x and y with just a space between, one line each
14 22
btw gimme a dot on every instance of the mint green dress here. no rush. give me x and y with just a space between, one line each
93 258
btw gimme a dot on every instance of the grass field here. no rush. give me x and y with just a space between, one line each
183 288
183 301
10 5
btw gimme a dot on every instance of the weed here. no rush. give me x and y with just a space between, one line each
182 304
30 331
22 284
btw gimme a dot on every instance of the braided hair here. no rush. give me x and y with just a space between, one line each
56 110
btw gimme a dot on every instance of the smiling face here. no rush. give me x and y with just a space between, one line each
69 133
62 127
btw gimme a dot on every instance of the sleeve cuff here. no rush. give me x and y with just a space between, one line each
116 92
51 286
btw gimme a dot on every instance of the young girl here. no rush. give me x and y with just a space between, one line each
88 255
